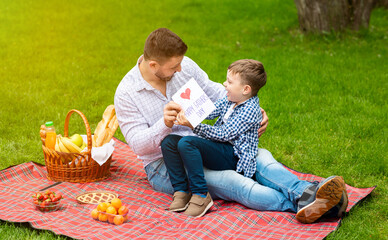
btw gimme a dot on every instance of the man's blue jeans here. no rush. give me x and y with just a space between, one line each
185 158
276 188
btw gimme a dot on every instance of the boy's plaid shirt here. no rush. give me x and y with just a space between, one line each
241 129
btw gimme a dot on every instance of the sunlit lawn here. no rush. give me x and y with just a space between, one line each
325 96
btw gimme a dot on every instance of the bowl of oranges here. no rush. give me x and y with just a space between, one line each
112 212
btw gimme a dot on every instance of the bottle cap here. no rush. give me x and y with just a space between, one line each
49 124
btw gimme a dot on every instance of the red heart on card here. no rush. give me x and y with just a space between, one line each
186 94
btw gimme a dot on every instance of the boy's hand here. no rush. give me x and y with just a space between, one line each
264 122
170 112
182 120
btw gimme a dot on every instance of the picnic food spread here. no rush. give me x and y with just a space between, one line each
113 212
66 156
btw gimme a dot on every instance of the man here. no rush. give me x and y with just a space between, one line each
146 116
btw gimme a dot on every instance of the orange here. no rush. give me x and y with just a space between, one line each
118 220
95 213
111 210
103 217
102 207
111 219
123 210
116 202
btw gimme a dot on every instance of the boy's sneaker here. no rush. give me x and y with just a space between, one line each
327 194
180 201
198 205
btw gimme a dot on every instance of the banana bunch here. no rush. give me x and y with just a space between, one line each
64 144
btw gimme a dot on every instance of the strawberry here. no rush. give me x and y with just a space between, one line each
59 196
40 196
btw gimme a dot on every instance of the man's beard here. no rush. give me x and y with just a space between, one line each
163 78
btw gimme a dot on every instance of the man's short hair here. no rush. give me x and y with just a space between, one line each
163 44
251 72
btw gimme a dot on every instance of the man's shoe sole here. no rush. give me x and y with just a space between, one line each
328 195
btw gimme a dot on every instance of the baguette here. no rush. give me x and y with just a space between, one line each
106 128
113 124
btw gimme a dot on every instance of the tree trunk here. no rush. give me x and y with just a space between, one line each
382 3
328 15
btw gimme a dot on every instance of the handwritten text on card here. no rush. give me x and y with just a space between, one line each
194 101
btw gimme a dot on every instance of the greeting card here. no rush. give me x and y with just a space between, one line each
194 101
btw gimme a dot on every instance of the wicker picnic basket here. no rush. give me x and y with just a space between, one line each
75 167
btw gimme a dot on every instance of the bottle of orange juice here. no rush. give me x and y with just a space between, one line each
51 136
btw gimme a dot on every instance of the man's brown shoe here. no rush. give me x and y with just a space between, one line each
340 209
198 205
328 194
180 201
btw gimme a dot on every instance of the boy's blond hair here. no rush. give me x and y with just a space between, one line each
251 72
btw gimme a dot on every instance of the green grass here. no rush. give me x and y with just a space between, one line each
325 96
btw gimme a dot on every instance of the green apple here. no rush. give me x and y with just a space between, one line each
84 145
77 140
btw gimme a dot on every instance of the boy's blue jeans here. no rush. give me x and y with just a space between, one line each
185 158
275 188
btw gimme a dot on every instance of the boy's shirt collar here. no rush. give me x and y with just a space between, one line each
248 101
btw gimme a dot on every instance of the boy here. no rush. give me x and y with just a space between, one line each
231 144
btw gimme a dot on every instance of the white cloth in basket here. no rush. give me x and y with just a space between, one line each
101 154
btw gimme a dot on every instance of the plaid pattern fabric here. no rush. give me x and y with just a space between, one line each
148 218
240 129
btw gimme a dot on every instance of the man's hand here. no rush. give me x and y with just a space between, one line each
264 122
170 112
182 120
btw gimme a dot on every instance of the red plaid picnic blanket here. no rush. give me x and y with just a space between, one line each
148 218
